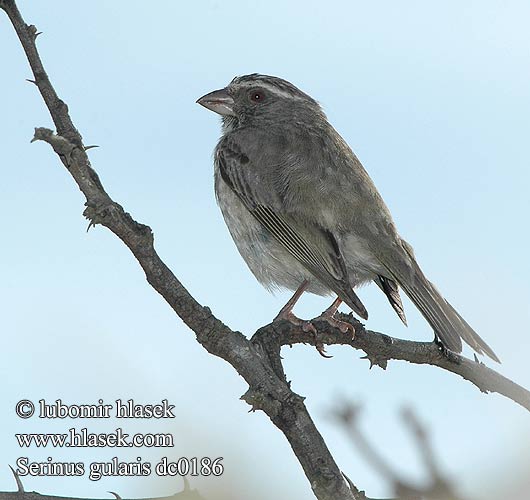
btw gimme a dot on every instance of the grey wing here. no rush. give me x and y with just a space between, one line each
312 245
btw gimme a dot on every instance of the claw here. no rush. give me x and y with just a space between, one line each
308 327
320 346
343 326
329 317
322 351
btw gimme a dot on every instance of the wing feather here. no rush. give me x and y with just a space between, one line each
326 264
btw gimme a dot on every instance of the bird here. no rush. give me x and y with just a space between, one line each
305 215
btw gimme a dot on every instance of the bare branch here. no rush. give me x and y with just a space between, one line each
381 348
267 391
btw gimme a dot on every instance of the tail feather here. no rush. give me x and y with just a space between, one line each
431 305
447 324
391 290
472 338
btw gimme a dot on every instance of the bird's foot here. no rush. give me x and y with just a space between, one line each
305 325
441 346
329 317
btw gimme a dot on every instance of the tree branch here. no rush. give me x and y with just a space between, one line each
257 360
381 348
267 391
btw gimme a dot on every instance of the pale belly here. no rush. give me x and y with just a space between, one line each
272 265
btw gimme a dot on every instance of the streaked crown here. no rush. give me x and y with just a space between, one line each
278 86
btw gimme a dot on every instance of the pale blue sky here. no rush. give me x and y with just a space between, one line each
434 99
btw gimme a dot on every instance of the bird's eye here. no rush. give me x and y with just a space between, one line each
257 96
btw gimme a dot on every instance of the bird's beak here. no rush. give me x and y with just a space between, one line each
218 101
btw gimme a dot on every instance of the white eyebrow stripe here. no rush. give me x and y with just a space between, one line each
270 88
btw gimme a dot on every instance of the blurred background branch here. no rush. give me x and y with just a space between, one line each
437 487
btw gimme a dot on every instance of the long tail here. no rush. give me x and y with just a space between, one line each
447 324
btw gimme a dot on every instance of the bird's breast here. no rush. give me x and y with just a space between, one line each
272 265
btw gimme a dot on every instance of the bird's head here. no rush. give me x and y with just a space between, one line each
259 98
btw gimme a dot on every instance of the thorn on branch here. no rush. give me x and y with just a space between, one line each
32 30
253 399
478 360
91 147
95 215
104 211
118 497
20 486
91 224
62 146
376 360
361 495
31 81
258 400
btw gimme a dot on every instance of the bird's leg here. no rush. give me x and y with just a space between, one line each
329 317
332 309
286 312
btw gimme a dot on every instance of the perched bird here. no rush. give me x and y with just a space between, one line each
305 215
